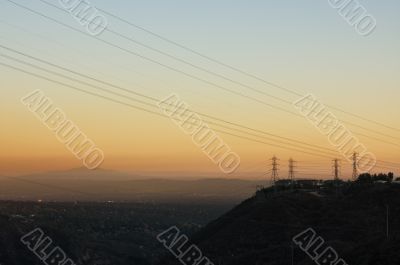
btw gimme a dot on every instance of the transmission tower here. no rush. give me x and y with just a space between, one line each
291 170
336 169
355 170
274 176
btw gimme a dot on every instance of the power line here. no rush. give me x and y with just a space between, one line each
183 72
156 100
138 94
389 168
154 61
11 1
125 96
387 162
218 75
293 92
153 112
78 51
181 60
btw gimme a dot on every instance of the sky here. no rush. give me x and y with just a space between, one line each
304 46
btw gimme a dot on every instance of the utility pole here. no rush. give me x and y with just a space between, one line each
291 171
274 176
355 170
336 174
336 169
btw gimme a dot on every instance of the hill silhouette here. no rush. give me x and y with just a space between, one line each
352 219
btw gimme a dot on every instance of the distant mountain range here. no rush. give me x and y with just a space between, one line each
107 185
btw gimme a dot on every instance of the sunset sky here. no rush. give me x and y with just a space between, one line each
304 46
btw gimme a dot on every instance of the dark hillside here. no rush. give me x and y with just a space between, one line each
352 221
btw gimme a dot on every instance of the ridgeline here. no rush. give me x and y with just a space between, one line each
359 220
